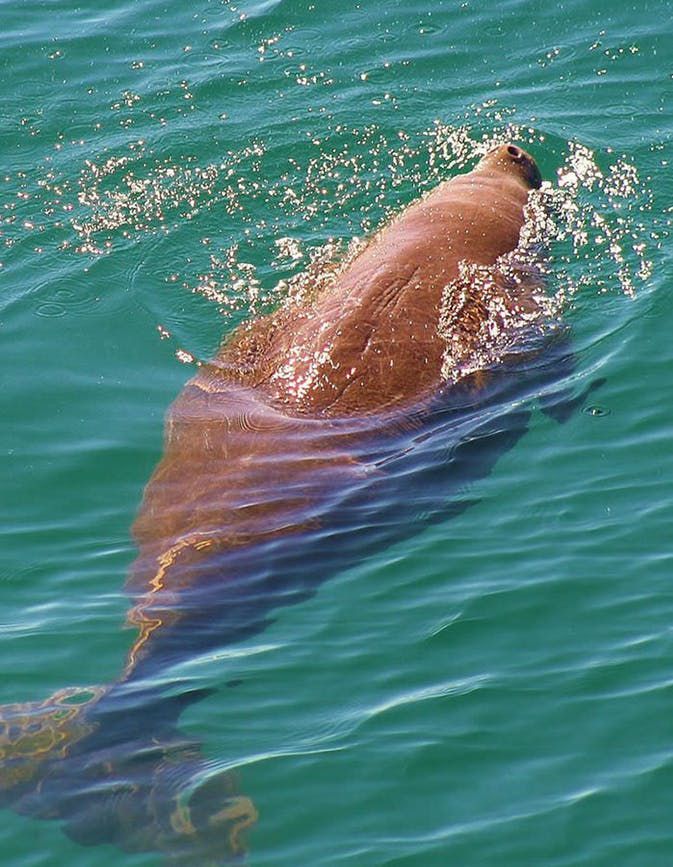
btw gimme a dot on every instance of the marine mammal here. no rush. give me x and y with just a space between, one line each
292 400
278 464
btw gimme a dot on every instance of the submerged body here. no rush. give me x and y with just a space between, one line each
318 433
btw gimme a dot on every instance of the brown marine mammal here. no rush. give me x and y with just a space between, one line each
280 455
260 416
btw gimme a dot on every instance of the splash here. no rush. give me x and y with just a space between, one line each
169 193
556 257
595 210
356 173
284 229
490 312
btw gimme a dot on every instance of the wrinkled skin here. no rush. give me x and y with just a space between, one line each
318 434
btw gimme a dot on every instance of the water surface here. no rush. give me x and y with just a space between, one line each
493 689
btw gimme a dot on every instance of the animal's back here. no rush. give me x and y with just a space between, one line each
371 341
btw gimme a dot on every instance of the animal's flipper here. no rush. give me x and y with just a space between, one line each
166 799
562 405
557 400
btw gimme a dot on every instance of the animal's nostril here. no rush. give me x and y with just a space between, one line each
514 151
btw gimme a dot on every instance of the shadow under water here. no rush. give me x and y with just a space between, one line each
261 496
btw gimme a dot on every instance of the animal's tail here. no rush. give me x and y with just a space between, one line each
82 757
33 734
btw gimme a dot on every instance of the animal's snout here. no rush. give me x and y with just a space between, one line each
527 163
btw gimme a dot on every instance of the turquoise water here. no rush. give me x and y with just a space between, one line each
496 689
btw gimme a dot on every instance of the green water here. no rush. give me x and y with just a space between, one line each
494 690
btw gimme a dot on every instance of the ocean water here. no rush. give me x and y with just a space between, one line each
495 688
